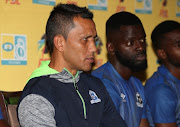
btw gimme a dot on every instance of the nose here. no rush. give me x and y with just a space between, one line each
140 46
92 47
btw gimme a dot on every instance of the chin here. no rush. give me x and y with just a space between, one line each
86 69
139 67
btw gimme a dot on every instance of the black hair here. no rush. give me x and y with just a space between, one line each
61 21
161 29
119 19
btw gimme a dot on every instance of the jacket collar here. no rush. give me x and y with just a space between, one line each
66 77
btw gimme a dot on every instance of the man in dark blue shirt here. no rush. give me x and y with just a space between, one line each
126 46
162 89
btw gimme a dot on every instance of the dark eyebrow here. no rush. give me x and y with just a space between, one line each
91 36
144 36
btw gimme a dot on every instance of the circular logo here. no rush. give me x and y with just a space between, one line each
8 46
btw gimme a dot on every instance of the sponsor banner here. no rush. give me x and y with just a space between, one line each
42 49
45 2
164 8
178 8
121 6
97 5
13 49
16 2
72 2
143 6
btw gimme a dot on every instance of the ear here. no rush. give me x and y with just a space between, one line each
161 54
59 41
110 48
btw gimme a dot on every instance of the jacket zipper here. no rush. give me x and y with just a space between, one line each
83 102
76 88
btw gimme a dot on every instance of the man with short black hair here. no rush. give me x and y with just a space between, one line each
126 46
63 95
162 89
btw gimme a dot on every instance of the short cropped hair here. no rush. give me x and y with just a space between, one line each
61 21
160 30
119 19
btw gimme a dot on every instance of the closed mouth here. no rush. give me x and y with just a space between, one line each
141 56
90 59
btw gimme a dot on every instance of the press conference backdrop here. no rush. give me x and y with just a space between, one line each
22 30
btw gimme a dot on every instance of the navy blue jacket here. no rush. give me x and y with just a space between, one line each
68 105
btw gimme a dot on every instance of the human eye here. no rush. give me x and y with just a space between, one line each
85 39
142 40
129 43
177 44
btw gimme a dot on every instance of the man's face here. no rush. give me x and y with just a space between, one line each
171 46
80 45
130 47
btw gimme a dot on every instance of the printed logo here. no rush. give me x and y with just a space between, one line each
43 50
99 44
14 49
7 46
139 102
45 2
94 97
143 6
178 3
123 97
163 12
72 2
121 7
98 5
139 0
13 2
178 8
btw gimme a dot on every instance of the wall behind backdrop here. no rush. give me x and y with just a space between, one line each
22 29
